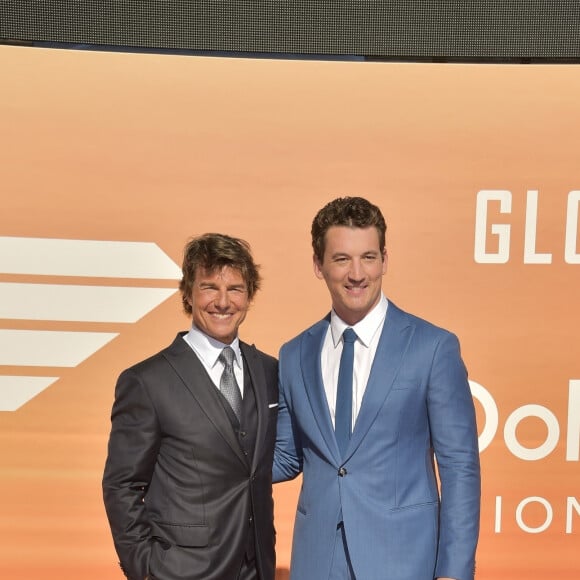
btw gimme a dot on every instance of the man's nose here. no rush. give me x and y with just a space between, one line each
223 299
356 271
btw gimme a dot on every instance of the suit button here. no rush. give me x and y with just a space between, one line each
342 471
243 433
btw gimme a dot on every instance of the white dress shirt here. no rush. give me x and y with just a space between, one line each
208 350
368 332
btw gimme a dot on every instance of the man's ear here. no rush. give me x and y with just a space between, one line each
317 267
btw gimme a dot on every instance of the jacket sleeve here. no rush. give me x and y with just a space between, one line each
132 454
288 450
454 437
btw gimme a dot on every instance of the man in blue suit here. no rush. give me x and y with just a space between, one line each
376 413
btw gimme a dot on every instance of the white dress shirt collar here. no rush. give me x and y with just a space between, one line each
366 328
209 349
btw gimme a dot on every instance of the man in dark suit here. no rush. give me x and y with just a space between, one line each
187 483
369 397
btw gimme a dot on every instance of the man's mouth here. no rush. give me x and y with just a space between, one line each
221 315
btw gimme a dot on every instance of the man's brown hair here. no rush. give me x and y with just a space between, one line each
353 212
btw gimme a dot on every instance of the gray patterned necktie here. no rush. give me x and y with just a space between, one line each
228 384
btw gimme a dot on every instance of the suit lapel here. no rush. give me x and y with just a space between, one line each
312 375
195 378
393 343
256 372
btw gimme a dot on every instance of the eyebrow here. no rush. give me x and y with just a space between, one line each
345 255
208 284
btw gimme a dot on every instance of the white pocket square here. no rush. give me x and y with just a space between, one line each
272 405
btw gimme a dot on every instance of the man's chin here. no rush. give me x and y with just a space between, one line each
225 335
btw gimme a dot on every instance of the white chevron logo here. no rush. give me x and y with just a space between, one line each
66 302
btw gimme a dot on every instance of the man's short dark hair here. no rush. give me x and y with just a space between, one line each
213 252
353 212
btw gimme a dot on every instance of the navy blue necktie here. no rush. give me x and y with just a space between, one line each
343 413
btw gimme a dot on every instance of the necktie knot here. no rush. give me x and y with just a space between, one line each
349 335
227 356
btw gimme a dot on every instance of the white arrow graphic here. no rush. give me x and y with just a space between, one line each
92 258
70 302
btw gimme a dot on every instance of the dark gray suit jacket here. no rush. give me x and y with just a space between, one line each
181 496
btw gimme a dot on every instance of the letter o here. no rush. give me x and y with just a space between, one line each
509 432
549 514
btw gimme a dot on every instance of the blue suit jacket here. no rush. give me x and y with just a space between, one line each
417 405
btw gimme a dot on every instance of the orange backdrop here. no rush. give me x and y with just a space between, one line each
473 166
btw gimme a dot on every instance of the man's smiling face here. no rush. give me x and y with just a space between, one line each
219 302
352 268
